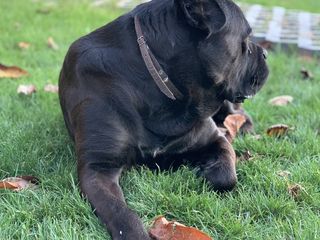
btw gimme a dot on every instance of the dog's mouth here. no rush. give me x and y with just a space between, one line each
239 98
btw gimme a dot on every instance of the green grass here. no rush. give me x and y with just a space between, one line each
33 141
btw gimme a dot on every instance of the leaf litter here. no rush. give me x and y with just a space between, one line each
11 71
19 183
26 89
51 88
233 123
162 229
281 100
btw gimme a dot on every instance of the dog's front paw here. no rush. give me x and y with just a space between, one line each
221 178
134 235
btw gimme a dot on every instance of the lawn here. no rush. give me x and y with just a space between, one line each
34 141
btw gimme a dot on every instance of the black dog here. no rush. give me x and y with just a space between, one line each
121 108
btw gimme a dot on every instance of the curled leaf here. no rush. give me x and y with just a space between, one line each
26 89
284 174
245 156
19 183
295 190
257 137
307 57
51 88
165 230
23 45
306 74
233 123
11 72
44 10
281 100
278 130
52 44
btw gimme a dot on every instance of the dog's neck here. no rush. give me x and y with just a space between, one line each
157 73
171 41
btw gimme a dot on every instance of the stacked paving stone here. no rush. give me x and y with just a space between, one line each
288 27
275 25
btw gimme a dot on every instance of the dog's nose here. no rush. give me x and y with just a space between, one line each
265 54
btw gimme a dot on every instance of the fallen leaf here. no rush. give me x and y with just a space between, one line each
19 183
165 230
11 72
278 130
307 57
26 89
281 100
295 190
24 45
245 156
256 137
17 25
284 173
306 74
44 10
52 44
51 88
233 123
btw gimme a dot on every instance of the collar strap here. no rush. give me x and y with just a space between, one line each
157 73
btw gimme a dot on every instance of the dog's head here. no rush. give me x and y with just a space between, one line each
231 60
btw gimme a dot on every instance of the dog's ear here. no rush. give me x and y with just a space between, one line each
206 15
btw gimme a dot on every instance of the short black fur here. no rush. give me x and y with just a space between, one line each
118 117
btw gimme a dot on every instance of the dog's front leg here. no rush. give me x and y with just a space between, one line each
218 164
206 148
214 156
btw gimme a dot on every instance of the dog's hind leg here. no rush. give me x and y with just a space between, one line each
103 149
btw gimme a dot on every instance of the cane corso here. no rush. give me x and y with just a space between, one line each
151 87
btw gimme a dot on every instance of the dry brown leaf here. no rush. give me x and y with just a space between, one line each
233 123
295 190
26 89
19 183
24 45
165 230
284 173
257 137
281 100
17 25
306 74
307 58
44 10
11 72
51 88
52 44
245 156
278 130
